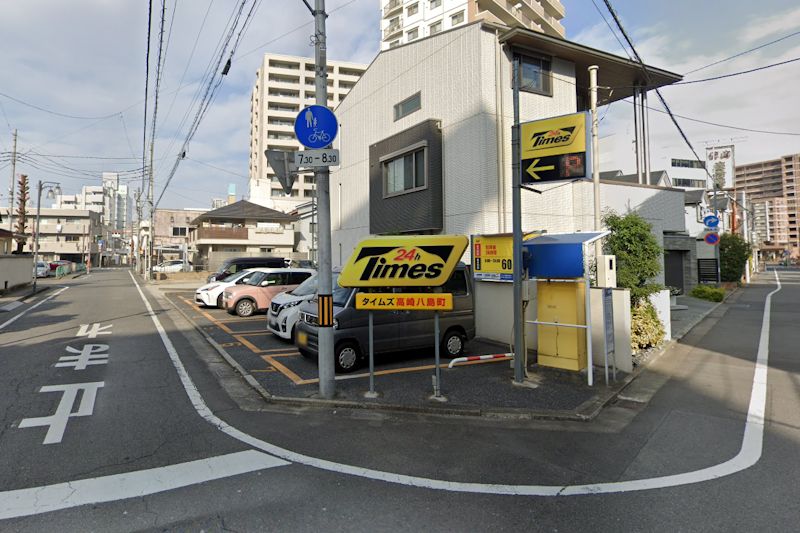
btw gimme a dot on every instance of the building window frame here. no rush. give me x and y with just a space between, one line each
408 106
176 231
457 18
412 9
412 151
412 34
544 65
435 28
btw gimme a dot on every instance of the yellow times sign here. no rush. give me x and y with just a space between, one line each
492 256
424 301
553 136
403 261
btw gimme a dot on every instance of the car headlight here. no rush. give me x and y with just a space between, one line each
335 323
209 288
287 305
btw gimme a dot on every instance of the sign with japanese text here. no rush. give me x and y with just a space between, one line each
373 301
403 261
555 148
720 164
492 256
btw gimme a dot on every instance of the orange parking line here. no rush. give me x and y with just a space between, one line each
253 347
283 370
253 333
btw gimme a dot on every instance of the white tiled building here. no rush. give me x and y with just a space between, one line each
404 21
284 85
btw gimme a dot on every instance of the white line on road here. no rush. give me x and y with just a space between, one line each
31 308
35 500
749 454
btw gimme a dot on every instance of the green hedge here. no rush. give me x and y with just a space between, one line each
712 294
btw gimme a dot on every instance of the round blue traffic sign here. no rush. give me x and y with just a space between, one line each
712 238
316 126
711 221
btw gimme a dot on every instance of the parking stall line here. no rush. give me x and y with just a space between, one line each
297 380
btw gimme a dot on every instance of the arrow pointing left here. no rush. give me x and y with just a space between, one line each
533 169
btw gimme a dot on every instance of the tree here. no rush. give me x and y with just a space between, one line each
637 251
719 175
22 210
734 252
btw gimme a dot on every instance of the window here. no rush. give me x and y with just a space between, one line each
408 106
296 278
277 278
458 18
405 173
436 27
71 238
178 232
688 163
413 9
412 34
436 3
535 75
394 43
457 284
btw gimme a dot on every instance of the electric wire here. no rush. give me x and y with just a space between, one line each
744 52
732 74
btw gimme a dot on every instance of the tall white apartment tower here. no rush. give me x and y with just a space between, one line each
403 21
284 85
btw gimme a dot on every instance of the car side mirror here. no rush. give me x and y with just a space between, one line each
243 280
265 283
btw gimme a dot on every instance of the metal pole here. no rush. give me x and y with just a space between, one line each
646 138
598 245
588 312
327 382
13 183
437 382
516 217
746 236
636 140
36 236
371 393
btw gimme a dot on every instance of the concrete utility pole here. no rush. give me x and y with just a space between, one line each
151 186
516 224
598 245
327 383
13 183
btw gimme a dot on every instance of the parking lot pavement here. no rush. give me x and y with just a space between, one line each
401 379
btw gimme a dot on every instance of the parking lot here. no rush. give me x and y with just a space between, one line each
403 377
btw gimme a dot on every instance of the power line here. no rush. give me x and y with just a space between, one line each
732 74
611 29
745 52
146 87
217 168
56 113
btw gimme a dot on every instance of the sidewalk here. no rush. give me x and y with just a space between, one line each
404 381
14 298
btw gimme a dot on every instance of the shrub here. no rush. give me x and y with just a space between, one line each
733 255
646 328
712 294
638 254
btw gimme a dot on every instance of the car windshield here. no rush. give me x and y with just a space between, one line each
340 294
307 288
235 277
256 279
41 264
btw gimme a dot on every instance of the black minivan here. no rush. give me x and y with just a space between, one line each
232 266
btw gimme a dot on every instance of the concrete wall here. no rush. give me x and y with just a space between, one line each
621 304
494 312
15 270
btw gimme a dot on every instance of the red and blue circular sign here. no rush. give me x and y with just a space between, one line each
712 238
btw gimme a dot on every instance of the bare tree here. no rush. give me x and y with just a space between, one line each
22 211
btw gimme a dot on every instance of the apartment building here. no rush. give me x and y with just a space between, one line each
404 21
284 85
71 234
171 236
772 188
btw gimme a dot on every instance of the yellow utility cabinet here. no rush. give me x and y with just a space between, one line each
563 302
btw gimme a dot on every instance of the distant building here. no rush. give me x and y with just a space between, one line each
406 21
688 174
772 186
240 229
71 234
172 231
284 85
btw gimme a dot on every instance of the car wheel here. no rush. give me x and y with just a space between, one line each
219 301
453 344
346 357
245 308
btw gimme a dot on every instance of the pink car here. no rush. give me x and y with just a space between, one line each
264 284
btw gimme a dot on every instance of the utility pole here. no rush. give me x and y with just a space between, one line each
516 226
598 246
327 382
150 232
13 178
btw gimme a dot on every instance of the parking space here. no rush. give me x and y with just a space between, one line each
281 370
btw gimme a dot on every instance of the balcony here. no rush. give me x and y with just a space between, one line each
393 6
392 31
221 234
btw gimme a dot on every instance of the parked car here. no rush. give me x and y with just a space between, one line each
42 269
61 262
232 266
284 311
175 265
256 294
393 331
210 294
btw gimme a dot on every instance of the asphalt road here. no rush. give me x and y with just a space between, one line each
162 435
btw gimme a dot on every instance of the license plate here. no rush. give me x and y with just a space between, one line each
302 338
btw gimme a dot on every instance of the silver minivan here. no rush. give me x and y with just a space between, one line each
394 331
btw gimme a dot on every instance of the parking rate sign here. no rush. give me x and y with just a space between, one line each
316 126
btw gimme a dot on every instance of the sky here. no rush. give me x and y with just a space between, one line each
86 59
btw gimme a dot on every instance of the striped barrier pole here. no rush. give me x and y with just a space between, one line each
480 358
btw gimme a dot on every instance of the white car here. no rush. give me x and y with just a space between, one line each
210 294
42 269
284 310
172 266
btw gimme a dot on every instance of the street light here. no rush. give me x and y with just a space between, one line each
53 189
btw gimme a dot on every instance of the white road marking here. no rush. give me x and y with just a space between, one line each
89 354
35 500
58 421
95 330
31 308
11 306
748 455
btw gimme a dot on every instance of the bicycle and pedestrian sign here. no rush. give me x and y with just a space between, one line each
316 127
